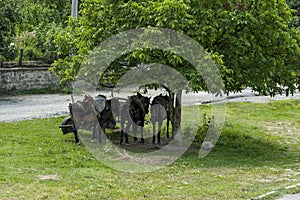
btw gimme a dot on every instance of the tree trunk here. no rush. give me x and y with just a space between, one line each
175 115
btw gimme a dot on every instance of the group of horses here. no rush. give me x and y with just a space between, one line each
100 113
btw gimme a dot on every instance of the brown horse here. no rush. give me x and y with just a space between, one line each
84 115
133 112
93 114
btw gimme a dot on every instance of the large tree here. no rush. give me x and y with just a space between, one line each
251 41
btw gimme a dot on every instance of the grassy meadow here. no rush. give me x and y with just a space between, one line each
258 151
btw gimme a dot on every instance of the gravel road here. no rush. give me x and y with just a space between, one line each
15 108
290 197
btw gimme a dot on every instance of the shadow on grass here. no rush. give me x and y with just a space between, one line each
238 145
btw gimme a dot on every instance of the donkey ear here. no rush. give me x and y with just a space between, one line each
139 95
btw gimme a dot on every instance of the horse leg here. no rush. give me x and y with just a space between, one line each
142 131
76 136
122 131
168 122
103 134
93 135
159 131
134 129
153 127
142 134
126 132
99 132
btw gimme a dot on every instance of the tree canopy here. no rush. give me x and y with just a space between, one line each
254 43
250 41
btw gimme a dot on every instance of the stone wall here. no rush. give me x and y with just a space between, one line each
27 78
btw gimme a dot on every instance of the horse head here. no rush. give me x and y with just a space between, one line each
140 102
146 103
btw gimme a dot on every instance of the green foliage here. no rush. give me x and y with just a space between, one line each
238 35
37 15
19 19
9 17
295 5
254 48
62 8
37 44
202 130
40 23
250 41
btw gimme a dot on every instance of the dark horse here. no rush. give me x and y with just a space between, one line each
160 110
105 115
133 112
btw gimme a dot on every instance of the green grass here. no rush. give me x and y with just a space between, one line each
258 151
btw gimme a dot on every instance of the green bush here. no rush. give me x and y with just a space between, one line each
9 17
202 130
